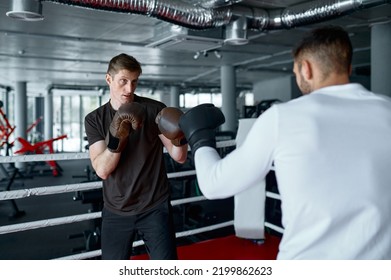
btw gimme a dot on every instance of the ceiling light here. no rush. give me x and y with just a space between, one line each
27 10
196 55
218 54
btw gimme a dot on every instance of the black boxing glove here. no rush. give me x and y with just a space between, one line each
129 116
168 123
199 125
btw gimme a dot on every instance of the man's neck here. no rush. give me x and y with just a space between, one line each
333 80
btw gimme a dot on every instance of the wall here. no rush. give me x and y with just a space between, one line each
286 88
279 88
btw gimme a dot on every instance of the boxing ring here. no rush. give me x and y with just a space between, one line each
239 248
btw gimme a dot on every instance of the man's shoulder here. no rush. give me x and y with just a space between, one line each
98 111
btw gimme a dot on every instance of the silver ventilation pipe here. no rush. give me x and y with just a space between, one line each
27 10
176 12
217 3
308 13
212 13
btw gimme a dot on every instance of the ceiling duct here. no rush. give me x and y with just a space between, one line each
308 13
174 37
217 3
173 11
27 10
236 32
212 14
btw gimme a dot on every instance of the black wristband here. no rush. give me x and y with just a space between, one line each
202 138
113 142
183 141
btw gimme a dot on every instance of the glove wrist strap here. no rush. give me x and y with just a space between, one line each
113 143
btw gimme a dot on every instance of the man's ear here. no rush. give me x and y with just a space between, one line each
108 79
307 69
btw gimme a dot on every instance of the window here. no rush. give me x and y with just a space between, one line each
190 100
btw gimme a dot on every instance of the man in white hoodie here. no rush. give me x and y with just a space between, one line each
331 150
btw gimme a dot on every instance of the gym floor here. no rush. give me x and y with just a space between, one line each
64 240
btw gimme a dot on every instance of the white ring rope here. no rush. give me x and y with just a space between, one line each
181 174
49 222
187 200
274 227
98 253
74 156
16 194
73 219
82 256
225 143
273 195
44 157
49 190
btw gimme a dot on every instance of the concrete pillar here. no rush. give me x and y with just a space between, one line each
20 109
381 58
228 92
61 120
6 101
39 106
164 97
48 117
81 121
174 96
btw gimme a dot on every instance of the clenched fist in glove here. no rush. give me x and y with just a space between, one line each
129 116
199 125
168 123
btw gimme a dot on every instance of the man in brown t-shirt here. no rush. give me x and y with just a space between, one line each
126 150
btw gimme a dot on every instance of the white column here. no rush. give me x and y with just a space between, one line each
20 109
48 116
6 101
165 97
174 96
38 113
228 92
81 121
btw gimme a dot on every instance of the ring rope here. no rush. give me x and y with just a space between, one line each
188 200
49 222
7 195
98 253
73 219
274 227
82 256
44 157
273 195
181 174
47 190
73 156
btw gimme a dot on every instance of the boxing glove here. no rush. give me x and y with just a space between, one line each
130 116
168 123
199 125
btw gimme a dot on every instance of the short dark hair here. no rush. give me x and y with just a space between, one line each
123 61
330 46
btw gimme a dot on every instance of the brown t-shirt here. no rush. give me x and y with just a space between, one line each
139 181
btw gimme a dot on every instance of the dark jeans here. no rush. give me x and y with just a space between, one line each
155 227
